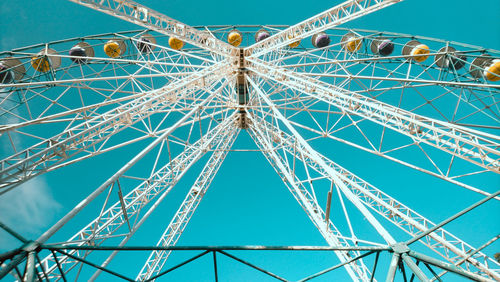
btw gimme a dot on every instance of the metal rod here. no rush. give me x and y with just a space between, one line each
446 266
403 271
413 274
95 265
215 266
215 248
15 261
41 267
469 255
29 274
450 219
18 273
111 180
337 266
177 266
58 265
9 254
392 268
433 272
374 266
414 268
252 266
13 233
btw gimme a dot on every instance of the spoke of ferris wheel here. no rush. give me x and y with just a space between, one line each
141 15
32 90
109 96
306 148
163 63
442 242
171 235
452 179
471 145
70 82
122 212
35 160
305 106
158 185
335 16
423 82
150 133
331 63
73 116
4 128
357 270
147 135
480 104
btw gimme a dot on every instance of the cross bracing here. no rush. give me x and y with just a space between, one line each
436 113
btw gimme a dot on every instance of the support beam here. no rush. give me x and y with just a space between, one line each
162 181
342 13
416 270
175 228
479 148
29 274
335 267
39 158
141 15
441 241
357 270
305 148
447 266
393 266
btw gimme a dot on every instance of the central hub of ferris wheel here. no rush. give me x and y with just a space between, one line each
242 90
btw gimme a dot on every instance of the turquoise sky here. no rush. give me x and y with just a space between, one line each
247 203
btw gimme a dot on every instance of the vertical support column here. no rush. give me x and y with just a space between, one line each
392 267
29 274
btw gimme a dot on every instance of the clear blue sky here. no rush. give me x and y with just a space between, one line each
240 208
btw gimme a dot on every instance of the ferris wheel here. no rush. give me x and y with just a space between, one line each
173 99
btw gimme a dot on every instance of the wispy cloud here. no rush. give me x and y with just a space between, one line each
27 209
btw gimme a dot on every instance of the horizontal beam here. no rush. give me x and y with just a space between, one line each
215 248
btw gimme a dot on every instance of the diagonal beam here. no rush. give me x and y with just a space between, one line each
175 228
112 180
141 15
357 270
479 148
40 157
316 159
330 18
441 241
160 183
201 146
336 266
446 266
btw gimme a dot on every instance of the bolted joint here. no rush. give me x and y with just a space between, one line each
32 246
400 248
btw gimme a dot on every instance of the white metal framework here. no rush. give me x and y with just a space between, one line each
434 109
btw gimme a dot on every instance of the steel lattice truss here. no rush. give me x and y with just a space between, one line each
439 116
